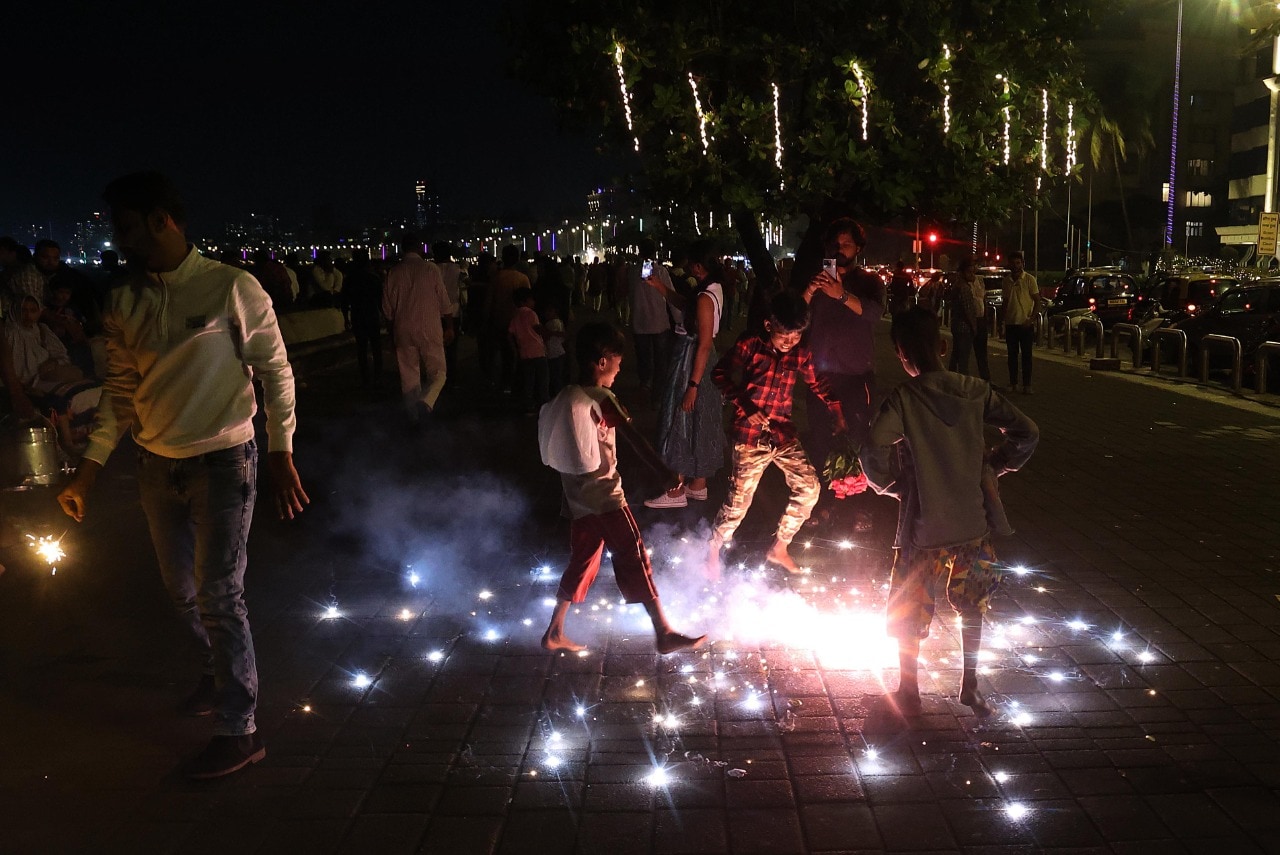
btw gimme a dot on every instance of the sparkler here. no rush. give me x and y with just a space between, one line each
48 548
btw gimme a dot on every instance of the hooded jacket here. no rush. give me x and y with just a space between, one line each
183 348
927 448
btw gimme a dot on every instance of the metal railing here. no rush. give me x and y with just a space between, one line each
1135 338
1040 328
1233 344
1260 360
1096 326
1177 336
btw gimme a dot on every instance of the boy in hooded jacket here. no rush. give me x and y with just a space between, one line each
927 449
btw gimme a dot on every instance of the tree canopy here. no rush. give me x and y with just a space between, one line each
775 108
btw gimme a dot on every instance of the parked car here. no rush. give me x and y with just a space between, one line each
1108 294
1178 295
1250 313
993 282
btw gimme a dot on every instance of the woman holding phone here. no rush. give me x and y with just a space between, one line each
690 432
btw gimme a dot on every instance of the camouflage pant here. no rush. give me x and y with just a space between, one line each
749 463
968 573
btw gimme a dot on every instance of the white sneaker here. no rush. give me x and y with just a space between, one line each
696 495
667 501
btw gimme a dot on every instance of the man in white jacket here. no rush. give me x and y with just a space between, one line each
185 336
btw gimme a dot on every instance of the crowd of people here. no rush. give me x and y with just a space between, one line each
188 399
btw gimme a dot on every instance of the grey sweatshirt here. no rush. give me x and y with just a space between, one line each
926 447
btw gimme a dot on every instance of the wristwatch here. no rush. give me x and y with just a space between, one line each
844 296
693 384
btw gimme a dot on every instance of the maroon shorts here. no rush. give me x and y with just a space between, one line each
588 537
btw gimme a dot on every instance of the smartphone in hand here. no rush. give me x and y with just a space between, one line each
831 267
646 269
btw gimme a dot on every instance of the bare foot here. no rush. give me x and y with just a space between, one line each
670 642
974 700
907 704
779 556
560 642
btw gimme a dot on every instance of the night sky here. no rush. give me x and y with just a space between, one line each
277 107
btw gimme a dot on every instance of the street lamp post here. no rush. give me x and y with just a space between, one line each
1173 140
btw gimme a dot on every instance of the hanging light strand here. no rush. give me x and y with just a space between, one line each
777 135
1007 123
702 117
626 95
1044 137
946 95
1071 136
866 94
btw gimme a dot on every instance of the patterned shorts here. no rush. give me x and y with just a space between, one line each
969 573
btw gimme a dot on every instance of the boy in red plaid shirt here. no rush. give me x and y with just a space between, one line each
758 377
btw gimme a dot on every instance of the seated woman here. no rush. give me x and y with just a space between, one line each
54 384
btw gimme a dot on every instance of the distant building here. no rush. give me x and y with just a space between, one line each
426 210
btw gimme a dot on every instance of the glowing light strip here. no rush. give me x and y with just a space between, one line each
1001 77
702 117
1071 137
1044 137
866 94
946 95
777 134
1173 140
626 96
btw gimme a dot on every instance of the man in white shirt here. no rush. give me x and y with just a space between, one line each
1021 301
421 314
185 335
326 281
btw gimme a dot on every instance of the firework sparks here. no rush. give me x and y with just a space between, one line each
50 550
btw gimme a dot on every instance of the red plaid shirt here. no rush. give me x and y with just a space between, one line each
767 385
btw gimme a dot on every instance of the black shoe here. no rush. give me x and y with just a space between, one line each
224 755
202 700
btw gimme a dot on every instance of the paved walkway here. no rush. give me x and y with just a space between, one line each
1134 660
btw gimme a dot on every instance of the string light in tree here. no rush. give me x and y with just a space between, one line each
1005 80
626 95
866 94
1071 136
1044 138
777 134
946 94
702 117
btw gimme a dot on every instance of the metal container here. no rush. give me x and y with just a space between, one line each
30 456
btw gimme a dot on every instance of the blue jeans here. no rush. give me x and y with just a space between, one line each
199 510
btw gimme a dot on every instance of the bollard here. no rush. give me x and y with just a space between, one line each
1177 336
1260 360
1234 345
1135 338
1040 328
1064 322
1096 325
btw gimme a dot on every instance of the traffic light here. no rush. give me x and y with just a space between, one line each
933 238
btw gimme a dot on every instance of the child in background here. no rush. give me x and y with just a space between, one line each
527 337
926 448
758 377
577 437
553 329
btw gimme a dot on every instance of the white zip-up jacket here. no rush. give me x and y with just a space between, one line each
182 350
